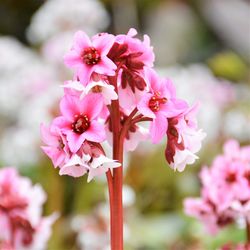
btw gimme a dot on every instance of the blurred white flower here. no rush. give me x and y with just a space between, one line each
237 125
28 92
57 16
93 230
171 27
230 21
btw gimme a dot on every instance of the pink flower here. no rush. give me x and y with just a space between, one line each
159 104
88 57
57 148
132 56
225 188
21 213
184 140
79 120
206 211
76 166
231 246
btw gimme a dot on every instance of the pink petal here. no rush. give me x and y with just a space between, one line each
171 109
84 73
59 159
54 154
143 106
96 132
153 80
132 32
103 43
91 105
106 66
81 41
168 88
60 123
69 107
75 140
75 171
158 128
47 137
72 59
127 98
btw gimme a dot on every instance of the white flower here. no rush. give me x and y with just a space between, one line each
78 166
131 143
183 158
192 140
55 17
106 90
101 165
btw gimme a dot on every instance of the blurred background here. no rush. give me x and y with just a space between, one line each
203 45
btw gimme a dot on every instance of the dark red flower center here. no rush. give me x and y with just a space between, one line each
156 101
247 176
231 177
91 56
81 124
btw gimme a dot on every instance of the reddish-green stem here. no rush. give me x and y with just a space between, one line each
115 183
116 203
247 231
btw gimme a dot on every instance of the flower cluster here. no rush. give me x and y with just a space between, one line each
235 246
22 225
114 88
225 194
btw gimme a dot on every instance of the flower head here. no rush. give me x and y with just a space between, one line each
184 140
159 104
225 189
22 224
88 57
132 55
100 87
79 120
57 147
91 161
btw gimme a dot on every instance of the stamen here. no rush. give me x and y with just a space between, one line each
97 89
81 124
156 101
91 56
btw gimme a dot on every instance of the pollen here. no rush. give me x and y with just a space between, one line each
97 89
81 124
156 101
91 56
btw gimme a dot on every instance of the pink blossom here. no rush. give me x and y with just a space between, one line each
159 104
231 246
132 55
79 120
203 211
57 148
88 57
225 188
184 140
21 220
